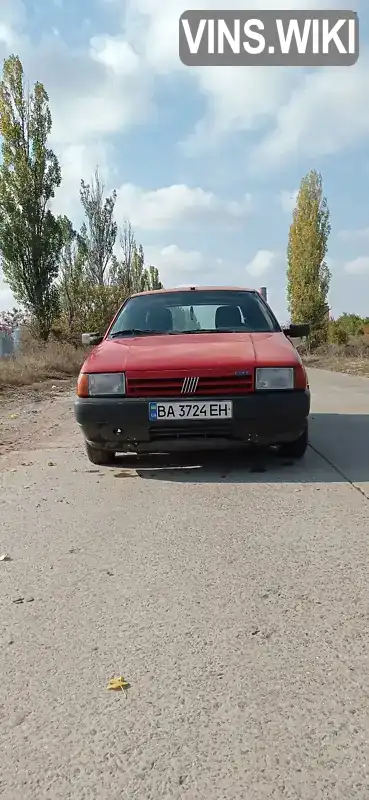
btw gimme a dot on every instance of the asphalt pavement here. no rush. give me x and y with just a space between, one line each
232 595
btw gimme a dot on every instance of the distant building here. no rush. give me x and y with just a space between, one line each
9 341
6 344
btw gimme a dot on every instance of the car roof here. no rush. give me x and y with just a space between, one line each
194 289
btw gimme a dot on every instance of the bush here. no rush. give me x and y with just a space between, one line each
337 334
351 323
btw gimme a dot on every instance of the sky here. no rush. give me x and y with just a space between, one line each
206 161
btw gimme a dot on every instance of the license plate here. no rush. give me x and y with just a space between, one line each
214 410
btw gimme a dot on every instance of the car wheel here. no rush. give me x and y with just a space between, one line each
102 458
295 449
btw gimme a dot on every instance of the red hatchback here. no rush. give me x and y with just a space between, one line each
199 368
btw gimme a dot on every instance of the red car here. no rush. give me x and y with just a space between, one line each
198 368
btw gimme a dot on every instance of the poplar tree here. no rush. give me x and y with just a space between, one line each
308 276
31 237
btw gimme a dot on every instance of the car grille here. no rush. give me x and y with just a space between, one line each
197 430
207 386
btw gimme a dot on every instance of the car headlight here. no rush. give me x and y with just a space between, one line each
100 384
274 378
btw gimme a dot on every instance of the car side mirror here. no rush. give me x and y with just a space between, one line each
297 331
91 339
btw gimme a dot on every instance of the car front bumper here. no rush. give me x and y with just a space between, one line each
123 425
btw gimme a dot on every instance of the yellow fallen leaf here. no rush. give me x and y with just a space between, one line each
13 416
118 684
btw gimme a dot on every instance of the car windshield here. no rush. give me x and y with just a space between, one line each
194 311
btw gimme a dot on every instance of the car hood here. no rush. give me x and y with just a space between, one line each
199 351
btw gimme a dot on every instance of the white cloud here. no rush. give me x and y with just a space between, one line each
147 46
288 200
236 99
108 87
6 35
116 54
94 91
179 267
324 115
13 15
12 18
78 161
358 266
88 98
262 263
177 205
354 234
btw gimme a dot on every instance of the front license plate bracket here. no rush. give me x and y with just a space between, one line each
209 410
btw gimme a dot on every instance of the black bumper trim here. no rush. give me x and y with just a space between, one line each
122 424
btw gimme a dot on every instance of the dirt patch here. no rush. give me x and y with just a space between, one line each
33 416
36 395
34 391
354 366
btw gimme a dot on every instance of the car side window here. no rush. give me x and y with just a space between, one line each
255 315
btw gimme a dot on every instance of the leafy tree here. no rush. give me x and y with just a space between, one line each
130 272
99 232
138 275
152 279
352 324
308 276
73 285
143 279
121 271
87 305
98 306
30 236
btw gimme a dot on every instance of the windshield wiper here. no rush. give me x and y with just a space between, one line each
216 330
134 332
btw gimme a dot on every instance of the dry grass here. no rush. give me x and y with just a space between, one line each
352 358
37 363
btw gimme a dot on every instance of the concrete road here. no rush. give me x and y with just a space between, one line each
232 595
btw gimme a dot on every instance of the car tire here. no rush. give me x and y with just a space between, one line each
102 458
295 449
